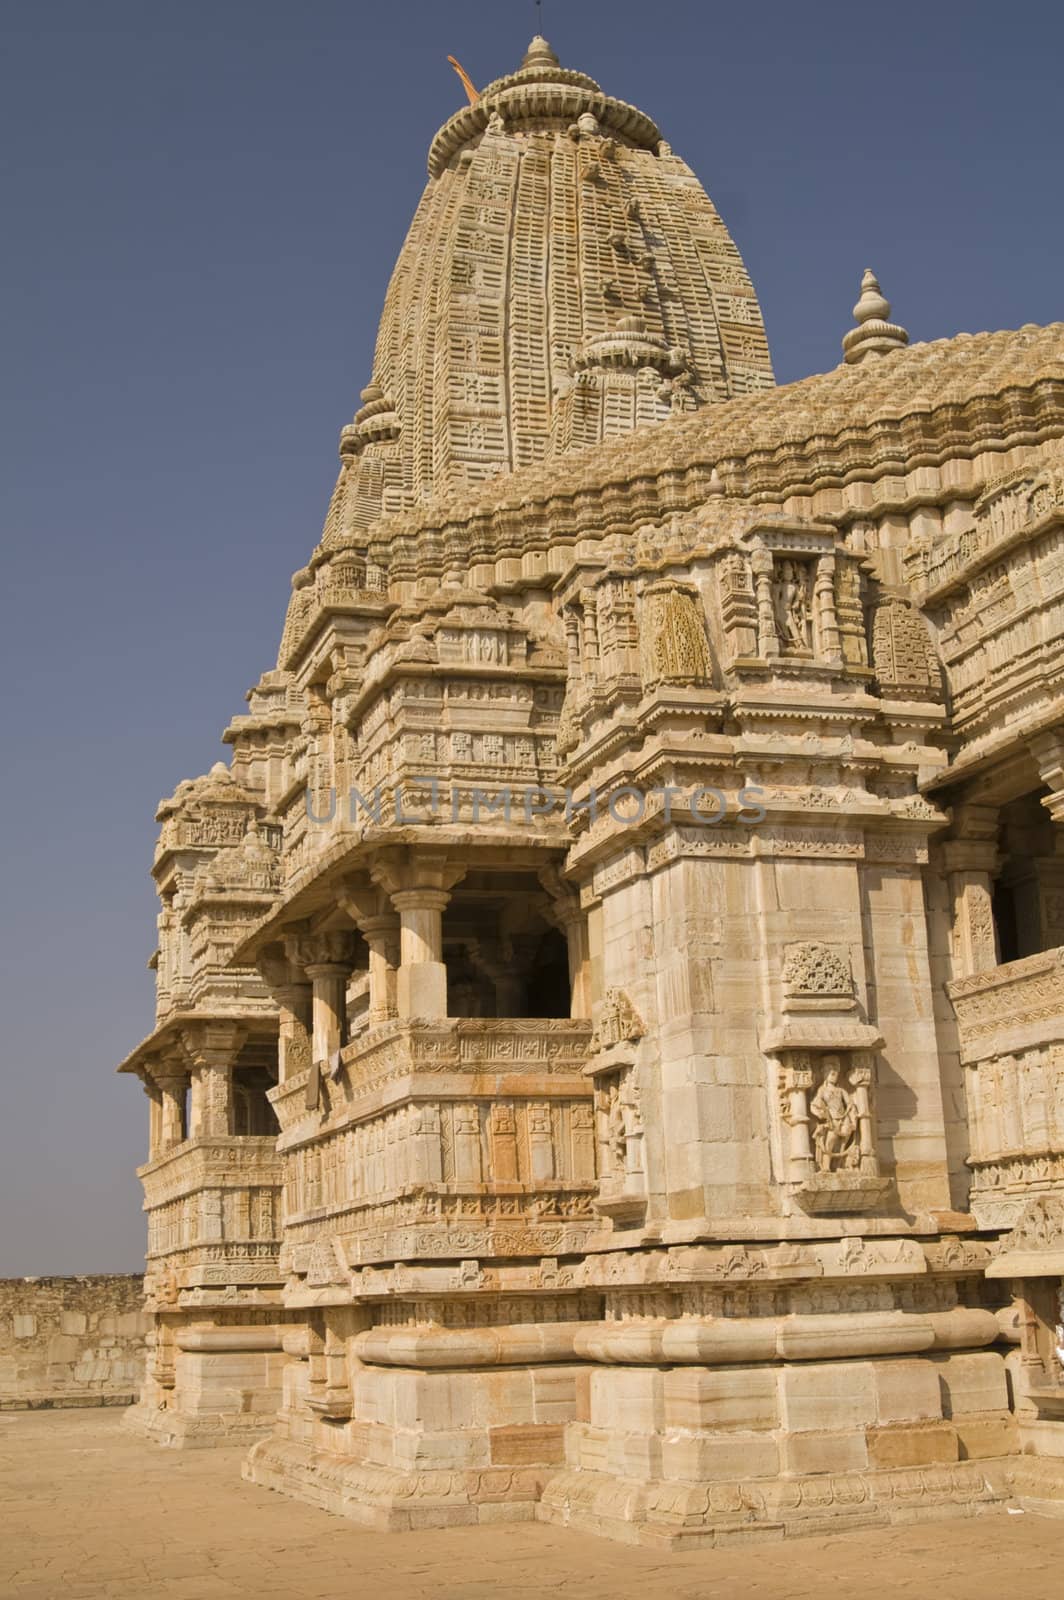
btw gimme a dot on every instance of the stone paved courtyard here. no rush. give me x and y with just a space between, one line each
88 1511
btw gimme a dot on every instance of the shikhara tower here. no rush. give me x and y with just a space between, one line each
659 1176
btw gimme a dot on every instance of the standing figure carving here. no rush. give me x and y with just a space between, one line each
834 1113
792 606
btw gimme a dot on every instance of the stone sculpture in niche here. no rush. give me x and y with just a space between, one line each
835 1121
792 605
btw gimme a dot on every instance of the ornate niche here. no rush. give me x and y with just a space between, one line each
827 1109
618 1115
795 568
825 1065
673 644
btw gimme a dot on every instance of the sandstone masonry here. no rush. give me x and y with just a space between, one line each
71 1341
609 1053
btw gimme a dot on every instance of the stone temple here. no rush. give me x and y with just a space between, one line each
609 1057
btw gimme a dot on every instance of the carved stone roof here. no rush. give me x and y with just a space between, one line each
796 434
565 279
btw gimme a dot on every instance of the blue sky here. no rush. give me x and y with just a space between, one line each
202 205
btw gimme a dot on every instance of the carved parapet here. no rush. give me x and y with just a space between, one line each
1011 1008
1010 510
1035 1247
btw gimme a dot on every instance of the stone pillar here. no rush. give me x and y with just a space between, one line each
768 644
155 1117
368 908
293 996
571 623
382 936
589 603
172 1088
795 1084
421 989
293 1032
326 959
213 1052
970 859
569 915
420 890
827 623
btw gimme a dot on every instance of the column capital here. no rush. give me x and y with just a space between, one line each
421 899
417 870
970 855
972 819
564 897
279 973
368 906
320 953
213 1044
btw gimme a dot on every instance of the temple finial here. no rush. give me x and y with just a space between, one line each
873 335
539 54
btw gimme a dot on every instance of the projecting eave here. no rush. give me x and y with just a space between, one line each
166 1033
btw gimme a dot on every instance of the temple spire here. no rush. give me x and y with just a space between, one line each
873 335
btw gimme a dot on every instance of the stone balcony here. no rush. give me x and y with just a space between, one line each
1011 1024
214 1218
455 1137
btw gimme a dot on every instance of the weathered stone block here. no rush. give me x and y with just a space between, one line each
972 1381
912 1445
906 1391
735 1397
982 1437
736 1455
823 1452
827 1397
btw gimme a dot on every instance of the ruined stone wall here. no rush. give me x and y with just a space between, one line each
71 1341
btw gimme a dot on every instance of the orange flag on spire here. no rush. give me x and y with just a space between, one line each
467 82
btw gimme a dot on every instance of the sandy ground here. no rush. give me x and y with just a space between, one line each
87 1511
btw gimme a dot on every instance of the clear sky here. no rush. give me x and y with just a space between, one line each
201 206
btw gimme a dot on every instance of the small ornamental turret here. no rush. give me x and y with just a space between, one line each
873 335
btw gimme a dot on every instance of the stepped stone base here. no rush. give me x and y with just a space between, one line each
391 1501
666 1515
677 1516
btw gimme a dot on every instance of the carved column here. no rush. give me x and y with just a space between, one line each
768 644
155 1116
293 997
588 601
827 623
420 889
327 960
861 1082
172 1087
970 860
568 914
796 1082
368 908
212 1052
571 623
